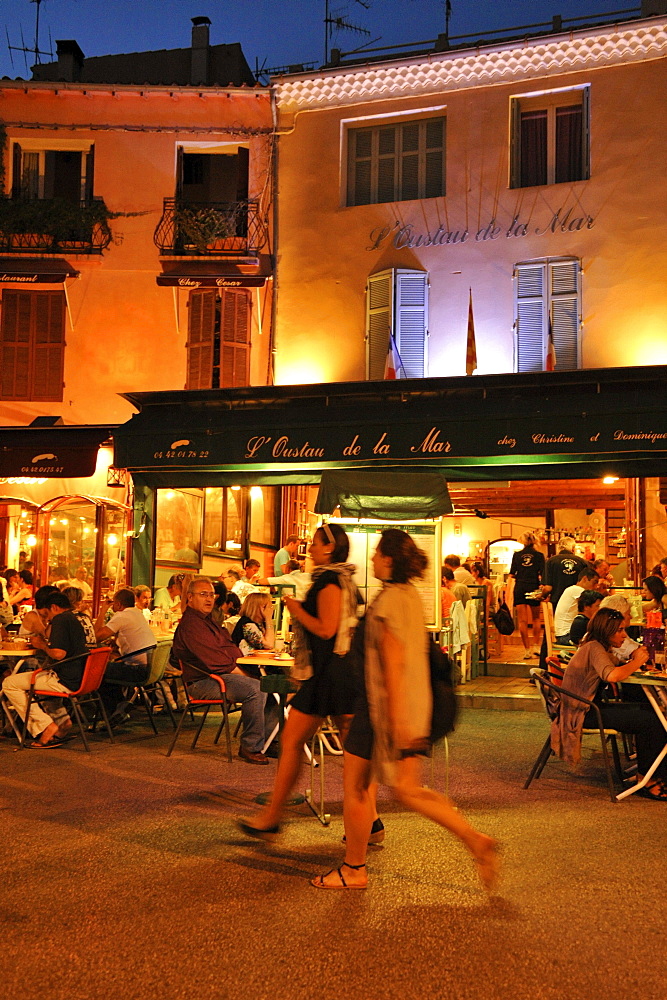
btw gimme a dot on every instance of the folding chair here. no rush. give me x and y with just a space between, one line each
137 688
158 661
88 692
550 695
205 703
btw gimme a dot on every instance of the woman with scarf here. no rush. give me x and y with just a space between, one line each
323 625
390 737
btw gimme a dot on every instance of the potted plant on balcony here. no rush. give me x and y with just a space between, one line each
206 228
54 224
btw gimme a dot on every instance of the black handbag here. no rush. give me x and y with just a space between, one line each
503 620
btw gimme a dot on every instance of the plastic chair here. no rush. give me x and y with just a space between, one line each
87 693
158 661
206 704
550 694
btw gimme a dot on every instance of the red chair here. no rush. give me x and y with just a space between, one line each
88 692
206 704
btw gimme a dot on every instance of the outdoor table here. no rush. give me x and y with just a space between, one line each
655 687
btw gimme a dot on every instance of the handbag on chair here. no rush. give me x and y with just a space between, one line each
503 620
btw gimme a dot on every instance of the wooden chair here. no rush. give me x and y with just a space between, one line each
87 693
550 695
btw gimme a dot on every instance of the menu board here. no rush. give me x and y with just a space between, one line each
364 537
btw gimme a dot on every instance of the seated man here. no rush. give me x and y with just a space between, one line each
131 631
566 609
67 639
199 642
169 597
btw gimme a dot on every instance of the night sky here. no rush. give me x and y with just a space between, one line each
275 32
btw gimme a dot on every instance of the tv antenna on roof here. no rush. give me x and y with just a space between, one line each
25 49
334 21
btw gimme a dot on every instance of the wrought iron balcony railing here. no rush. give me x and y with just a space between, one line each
233 228
53 226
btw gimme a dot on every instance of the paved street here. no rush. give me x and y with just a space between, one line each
124 877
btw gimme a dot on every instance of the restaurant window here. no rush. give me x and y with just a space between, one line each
178 527
397 307
218 346
40 172
396 162
32 345
265 516
550 138
225 519
547 298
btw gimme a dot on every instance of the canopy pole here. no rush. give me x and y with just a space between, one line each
175 295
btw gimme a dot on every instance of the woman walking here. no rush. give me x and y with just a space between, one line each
392 728
527 569
323 627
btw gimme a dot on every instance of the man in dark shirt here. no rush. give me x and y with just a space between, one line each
200 643
67 639
562 570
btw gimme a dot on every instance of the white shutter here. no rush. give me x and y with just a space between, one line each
530 317
379 321
564 293
411 321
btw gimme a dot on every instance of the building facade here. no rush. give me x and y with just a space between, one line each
135 253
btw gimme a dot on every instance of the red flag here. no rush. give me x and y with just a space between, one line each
550 363
392 362
471 347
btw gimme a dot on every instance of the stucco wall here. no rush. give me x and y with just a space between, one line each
324 260
124 334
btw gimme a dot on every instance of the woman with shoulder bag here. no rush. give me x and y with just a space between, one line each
390 734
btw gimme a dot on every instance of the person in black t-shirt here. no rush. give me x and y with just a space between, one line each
527 570
67 639
562 570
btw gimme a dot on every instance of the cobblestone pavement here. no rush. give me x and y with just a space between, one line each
124 877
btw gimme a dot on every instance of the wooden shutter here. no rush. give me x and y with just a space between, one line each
586 133
16 171
15 345
179 171
433 182
515 143
235 338
411 312
90 174
409 161
564 305
48 340
379 321
530 317
201 335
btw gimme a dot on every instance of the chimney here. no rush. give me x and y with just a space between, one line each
199 60
70 60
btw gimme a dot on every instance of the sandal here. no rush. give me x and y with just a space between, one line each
488 864
269 833
660 793
376 834
319 882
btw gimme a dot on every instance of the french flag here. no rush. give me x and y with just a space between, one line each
392 363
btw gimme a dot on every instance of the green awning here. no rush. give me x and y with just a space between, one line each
400 496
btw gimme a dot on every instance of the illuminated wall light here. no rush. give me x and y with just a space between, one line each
235 488
609 480
63 520
86 531
52 521
256 492
31 540
112 539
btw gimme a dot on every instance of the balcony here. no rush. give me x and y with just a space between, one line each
53 226
210 229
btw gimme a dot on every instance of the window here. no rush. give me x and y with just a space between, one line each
550 138
52 173
32 345
178 527
397 305
218 339
398 162
225 519
547 292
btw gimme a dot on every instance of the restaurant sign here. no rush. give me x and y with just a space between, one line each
403 439
405 235
192 281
